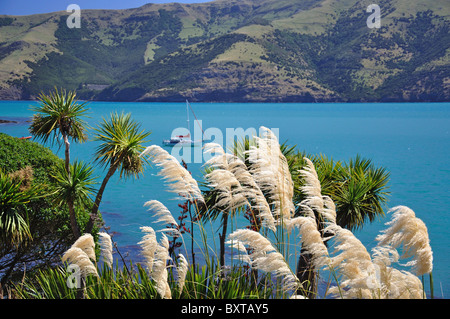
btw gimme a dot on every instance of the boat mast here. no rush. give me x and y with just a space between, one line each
187 112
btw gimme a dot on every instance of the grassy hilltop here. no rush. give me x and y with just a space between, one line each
230 50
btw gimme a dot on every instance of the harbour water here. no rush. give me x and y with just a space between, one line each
411 140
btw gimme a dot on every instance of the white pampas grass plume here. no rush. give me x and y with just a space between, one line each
395 284
148 245
240 247
256 197
78 256
230 194
159 272
329 209
220 159
411 233
354 264
265 257
312 241
297 297
404 285
106 248
323 205
179 180
242 181
312 187
87 244
163 214
182 270
271 172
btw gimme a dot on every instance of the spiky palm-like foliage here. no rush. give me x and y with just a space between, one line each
13 214
361 194
59 113
74 188
121 144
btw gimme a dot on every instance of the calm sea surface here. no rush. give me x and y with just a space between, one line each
411 140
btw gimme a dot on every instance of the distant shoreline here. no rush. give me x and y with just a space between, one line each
243 101
8 121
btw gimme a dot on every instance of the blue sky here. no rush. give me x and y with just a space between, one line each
25 7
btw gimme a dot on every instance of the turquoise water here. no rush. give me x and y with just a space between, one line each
411 140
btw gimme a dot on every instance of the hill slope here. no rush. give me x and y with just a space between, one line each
230 50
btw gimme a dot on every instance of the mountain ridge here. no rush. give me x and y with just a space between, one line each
259 51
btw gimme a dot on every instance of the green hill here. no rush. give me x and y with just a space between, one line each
230 50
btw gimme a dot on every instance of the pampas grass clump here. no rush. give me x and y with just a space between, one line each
81 253
270 170
266 188
156 257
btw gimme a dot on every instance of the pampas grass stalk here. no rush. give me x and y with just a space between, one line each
159 271
149 245
106 248
164 216
265 257
323 205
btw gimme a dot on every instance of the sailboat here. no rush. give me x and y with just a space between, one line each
184 140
